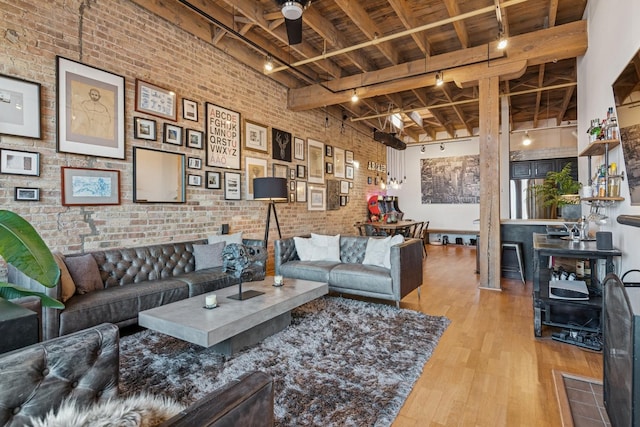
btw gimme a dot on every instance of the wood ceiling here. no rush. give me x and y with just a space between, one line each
365 46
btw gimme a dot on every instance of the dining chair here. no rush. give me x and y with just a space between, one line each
424 236
417 232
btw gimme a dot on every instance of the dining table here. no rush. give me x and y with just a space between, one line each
392 228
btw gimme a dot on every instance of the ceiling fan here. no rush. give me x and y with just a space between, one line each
292 12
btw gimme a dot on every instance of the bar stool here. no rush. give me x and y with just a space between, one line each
517 248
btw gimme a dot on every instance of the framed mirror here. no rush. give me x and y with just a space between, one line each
158 176
626 91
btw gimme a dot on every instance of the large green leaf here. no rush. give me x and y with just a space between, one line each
22 247
9 291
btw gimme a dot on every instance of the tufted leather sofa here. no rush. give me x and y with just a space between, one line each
85 366
135 279
350 276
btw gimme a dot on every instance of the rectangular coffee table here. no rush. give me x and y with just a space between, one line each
234 324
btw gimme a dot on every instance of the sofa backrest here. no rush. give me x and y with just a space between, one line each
352 249
35 379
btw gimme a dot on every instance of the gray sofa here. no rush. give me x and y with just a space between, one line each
350 276
85 366
134 279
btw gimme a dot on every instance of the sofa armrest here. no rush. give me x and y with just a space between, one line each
254 242
284 251
245 402
406 267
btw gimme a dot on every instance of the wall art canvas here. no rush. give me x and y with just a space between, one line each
90 187
223 137
450 180
19 107
333 195
90 110
280 145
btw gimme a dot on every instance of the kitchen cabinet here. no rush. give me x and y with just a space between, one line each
531 169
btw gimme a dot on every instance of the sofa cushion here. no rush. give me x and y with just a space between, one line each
67 286
209 280
84 271
361 277
208 256
317 271
378 251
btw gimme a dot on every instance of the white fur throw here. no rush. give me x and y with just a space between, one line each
142 410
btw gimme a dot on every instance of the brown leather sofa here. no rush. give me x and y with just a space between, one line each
85 366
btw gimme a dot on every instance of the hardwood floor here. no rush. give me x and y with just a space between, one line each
488 369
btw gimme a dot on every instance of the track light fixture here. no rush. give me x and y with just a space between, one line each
354 97
423 149
439 78
268 64
526 140
441 146
502 40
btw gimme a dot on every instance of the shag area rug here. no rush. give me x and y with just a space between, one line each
340 362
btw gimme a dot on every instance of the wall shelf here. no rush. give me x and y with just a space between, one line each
599 147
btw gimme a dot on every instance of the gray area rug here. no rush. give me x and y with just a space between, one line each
341 362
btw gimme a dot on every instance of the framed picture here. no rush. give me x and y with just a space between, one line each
232 186
172 134
194 180
154 100
301 191
292 173
328 151
279 171
292 197
315 158
194 163
144 128
350 184
158 176
19 107
369 180
223 137
348 157
343 200
302 171
316 200
292 186
329 168
90 110
189 110
213 180
16 162
333 195
298 148
255 168
338 163
90 187
344 187
280 145
27 194
256 136
349 172
194 138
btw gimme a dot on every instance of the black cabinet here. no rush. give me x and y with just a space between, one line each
529 169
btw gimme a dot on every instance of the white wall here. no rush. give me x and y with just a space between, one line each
614 37
440 215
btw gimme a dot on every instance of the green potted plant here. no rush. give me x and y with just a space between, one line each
560 190
22 247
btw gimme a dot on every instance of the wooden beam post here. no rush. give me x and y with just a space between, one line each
489 181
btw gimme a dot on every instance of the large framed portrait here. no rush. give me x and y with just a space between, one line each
232 186
256 136
223 137
255 168
315 156
155 100
17 162
19 107
280 145
316 200
90 187
338 163
90 110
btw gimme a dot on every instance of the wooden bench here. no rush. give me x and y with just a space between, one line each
449 231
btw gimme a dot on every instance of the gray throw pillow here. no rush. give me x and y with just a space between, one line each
208 256
84 272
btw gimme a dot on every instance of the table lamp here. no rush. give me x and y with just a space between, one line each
273 190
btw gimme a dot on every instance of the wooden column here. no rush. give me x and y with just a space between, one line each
489 183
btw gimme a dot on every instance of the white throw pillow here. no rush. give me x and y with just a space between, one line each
208 256
304 248
378 251
327 247
229 238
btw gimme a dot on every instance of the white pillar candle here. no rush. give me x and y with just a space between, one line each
211 301
278 280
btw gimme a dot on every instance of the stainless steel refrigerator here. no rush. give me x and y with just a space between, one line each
524 204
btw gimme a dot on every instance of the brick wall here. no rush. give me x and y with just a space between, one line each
122 38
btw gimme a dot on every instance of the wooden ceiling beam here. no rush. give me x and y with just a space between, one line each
536 112
461 30
404 13
461 116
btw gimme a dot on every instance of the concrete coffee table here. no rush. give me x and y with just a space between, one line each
233 324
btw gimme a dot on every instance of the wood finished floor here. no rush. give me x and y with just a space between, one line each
488 369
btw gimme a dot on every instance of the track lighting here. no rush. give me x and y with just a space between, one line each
423 149
526 140
268 64
441 147
502 40
354 97
439 78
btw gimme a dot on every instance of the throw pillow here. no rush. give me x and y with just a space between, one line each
67 286
229 238
85 273
327 248
378 251
304 248
208 256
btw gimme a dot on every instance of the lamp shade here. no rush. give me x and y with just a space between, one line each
269 188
